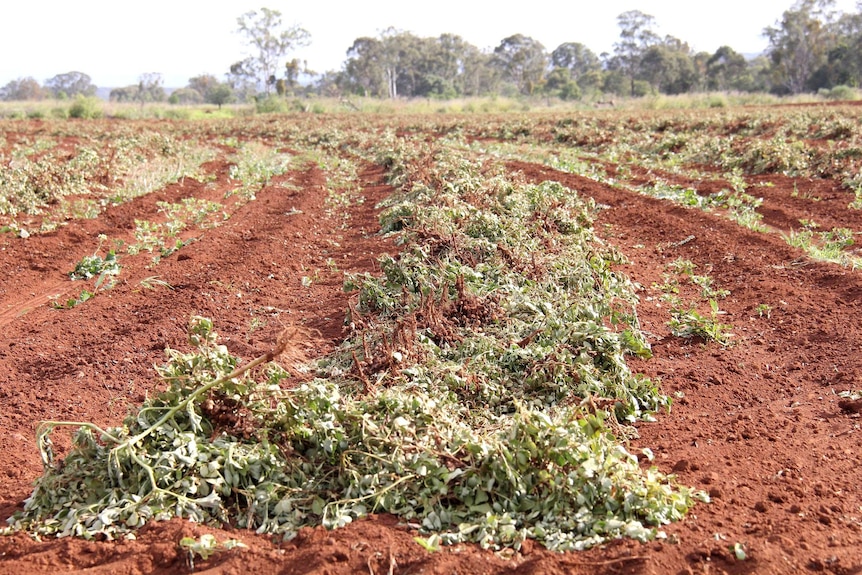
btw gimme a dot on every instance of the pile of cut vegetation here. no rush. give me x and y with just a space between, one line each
482 395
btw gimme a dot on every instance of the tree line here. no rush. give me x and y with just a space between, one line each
812 47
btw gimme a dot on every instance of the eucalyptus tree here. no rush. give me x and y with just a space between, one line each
150 88
220 94
211 89
270 42
22 89
636 37
669 67
401 64
480 74
582 67
576 58
559 83
203 84
70 84
447 66
382 67
727 69
364 68
242 79
451 57
402 54
800 42
844 59
523 61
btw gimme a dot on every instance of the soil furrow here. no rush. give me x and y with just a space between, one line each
757 424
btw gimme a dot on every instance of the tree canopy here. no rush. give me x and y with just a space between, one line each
636 37
270 42
401 64
70 84
576 58
522 61
811 47
22 89
148 89
799 43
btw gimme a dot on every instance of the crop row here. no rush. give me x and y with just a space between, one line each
482 395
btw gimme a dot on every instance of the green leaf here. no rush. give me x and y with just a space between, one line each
431 544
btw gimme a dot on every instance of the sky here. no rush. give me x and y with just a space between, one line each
115 41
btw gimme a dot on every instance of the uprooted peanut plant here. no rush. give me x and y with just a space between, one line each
482 394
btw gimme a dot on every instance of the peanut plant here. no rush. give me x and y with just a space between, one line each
483 392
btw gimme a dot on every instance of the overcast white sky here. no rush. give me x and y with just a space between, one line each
115 41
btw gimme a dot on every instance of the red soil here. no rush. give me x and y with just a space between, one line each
758 424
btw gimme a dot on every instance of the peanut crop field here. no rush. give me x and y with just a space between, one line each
606 341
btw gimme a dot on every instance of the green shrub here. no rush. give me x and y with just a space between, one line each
642 88
272 105
185 96
841 92
717 101
85 107
177 114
